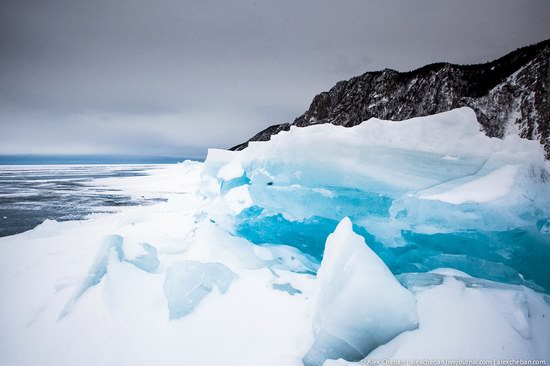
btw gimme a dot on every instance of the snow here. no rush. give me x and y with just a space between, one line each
491 186
163 181
420 239
360 305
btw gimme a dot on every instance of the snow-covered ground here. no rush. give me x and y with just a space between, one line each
418 240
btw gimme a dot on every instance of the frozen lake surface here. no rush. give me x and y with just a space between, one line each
30 194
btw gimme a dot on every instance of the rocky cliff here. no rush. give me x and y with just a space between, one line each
510 95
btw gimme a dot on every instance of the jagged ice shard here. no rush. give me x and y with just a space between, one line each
188 282
360 305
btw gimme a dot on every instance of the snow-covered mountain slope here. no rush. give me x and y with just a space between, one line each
510 95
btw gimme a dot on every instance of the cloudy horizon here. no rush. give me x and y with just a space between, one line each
176 77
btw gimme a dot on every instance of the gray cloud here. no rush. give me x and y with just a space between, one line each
174 77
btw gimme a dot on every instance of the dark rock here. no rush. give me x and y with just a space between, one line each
510 95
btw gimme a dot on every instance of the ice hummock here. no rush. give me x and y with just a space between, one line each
360 305
424 193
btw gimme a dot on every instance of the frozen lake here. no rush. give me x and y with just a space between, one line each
30 194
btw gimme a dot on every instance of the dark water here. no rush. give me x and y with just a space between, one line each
31 194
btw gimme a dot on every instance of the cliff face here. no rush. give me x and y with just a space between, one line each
510 95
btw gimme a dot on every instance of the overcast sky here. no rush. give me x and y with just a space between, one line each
175 77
